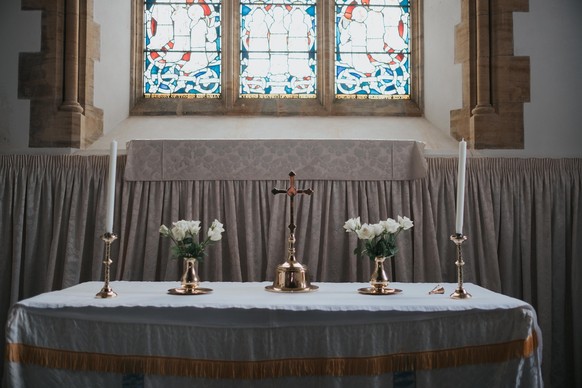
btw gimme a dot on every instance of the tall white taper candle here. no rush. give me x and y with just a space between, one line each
111 187
461 185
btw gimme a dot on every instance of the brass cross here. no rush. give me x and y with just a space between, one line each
292 192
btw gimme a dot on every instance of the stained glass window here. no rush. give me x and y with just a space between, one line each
278 48
182 48
282 57
372 56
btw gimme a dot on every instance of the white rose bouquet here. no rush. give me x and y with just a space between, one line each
184 234
378 239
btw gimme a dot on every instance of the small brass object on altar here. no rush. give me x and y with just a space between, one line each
437 290
291 276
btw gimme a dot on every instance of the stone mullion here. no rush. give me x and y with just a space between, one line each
230 52
325 63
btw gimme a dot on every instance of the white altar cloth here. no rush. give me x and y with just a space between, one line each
241 335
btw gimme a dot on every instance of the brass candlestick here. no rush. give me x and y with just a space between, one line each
460 292
106 291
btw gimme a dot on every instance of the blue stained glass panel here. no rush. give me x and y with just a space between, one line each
372 56
278 48
182 48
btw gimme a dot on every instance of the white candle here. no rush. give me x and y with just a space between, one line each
461 185
111 187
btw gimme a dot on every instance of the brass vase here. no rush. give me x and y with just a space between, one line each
379 279
190 279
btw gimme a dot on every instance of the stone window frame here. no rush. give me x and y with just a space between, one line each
325 103
496 83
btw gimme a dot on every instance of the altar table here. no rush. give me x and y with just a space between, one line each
241 335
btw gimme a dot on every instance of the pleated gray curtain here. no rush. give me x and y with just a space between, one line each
256 228
523 219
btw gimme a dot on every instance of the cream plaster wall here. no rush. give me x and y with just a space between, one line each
275 128
442 76
112 76
551 34
21 32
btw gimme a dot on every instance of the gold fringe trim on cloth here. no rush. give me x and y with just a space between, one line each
222 369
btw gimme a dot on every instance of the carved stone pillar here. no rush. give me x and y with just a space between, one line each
483 59
71 79
59 79
495 82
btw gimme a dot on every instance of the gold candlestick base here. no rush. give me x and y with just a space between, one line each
460 292
107 291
